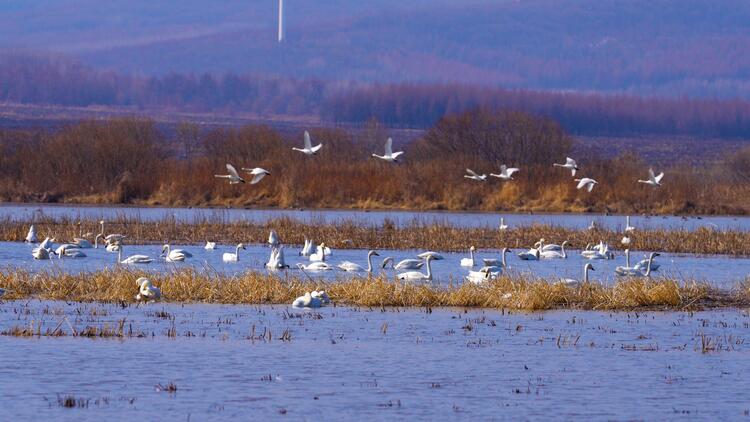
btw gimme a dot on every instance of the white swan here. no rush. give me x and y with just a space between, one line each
31 236
390 156
133 259
307 248
315 266
586 182
82 243
47 243
309 149
350 266
69 251
233 257
321 253
469 262
553 254
146 290
653 180
210 246
436 256
322 295
570 164
592 226
416 275
406 264
503 226
474 176
257 173
627 269
175 255
601 251
506 173
626 240
637 270
277 261
484 274
111 238
274 239
42 253
642 264
571 282
628 227
307 301
494 262
233 176
534 253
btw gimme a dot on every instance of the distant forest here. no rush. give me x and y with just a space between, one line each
60 81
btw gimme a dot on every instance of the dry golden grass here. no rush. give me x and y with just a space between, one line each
417 235
259 288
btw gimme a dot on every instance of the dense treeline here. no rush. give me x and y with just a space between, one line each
44 80
125 161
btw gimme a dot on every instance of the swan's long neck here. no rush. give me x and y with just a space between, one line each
627 221
429 269
471 255
503 257
627 258
564 254
119 254
648 267
586 274
102 233
96 241
237 253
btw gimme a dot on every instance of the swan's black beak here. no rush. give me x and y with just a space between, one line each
376 254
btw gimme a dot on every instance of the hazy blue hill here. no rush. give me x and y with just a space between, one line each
670 47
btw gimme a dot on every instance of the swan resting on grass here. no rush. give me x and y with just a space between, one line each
352 267
233 257
146 290
307 301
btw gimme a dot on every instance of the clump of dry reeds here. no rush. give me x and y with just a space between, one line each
413 235
515 292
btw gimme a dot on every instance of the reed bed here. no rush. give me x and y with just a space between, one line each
414 235
513 292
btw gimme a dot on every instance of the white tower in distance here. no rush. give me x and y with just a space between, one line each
281 20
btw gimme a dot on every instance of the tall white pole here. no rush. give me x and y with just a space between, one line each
281 20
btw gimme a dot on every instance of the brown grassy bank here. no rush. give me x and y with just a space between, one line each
387 236
256 288
133 161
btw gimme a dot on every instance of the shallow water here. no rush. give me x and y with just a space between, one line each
346 363
30 212
720 271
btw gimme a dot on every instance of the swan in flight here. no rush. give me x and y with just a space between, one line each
309 149
133 259
350 266
321 252
503 226
273 239
436 256
553 254
469 262
42 253
257 173
653 180
146 290
571 282
505 172
322 295
277 261
31 236
175 255
570 164
210 246
233 257
474 176
390 156
307 248
233 176
628 227
307 301
416 275
586 182
637 270
406 264
645 262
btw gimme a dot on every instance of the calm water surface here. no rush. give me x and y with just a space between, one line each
345 363
29 212
721 271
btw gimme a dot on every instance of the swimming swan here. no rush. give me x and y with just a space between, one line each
307 248
406 264
503 226
390 156
436 256
350 266
233 257
505 172
570 164
553 254
321 253
637 270
469 262
233 176
175 255
42 253
133 259
274 239
416 275
571 282
493 262
309 149
210 246
277 261
628 227
31 236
